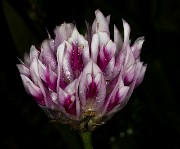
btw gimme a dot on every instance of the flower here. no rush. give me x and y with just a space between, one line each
83 80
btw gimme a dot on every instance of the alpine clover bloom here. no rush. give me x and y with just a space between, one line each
83 80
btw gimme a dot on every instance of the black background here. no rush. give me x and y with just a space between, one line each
151 119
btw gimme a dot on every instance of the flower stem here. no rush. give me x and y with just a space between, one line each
86 139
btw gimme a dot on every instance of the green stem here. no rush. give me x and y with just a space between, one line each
86 139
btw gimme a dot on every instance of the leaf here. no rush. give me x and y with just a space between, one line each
21 33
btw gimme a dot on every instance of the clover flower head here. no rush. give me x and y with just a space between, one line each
83 80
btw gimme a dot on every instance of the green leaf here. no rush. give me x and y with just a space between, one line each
21 33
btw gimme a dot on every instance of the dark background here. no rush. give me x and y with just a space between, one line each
150 120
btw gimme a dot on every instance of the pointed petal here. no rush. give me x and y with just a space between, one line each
103 38
47 56
90 68
141 75
32 89
101 89
95 47
34 71
102 24
130 60
23 70
129 75
94 27
60 53
109 69
108 19
110 50
33 52
27 60
136 47
63 32
115 106
117 39
126 31
71 88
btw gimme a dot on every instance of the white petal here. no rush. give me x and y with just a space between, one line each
60 53
130 60
33 52
141 75
71 88
34 71
103 38
110 48
126 31
136 47
108 19
102 23
95 47
109 69
30 87
117 39
63 32
23 70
